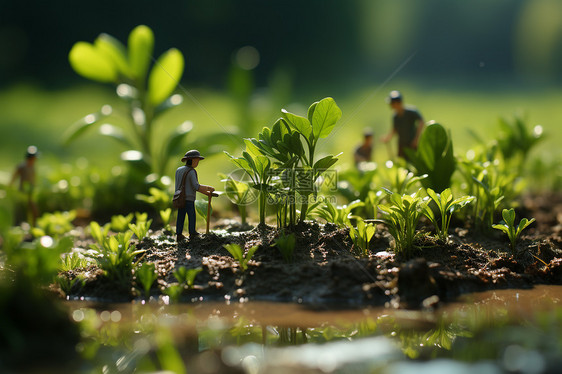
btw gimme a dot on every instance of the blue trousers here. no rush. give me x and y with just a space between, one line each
188 209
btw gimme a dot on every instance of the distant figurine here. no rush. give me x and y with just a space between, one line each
363 151
25 174
192 185
407 122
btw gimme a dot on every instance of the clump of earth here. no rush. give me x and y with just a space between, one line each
326 269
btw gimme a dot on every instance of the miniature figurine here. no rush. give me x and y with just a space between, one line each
363 151
192 185
25 173
407 122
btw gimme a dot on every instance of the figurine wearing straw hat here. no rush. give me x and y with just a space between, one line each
187 176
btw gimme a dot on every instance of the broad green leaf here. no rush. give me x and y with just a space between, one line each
252 148
324 164
175 138
78 127
298 123
201 208
324 117
116 51
509 217
115 133
141 46
165 76
523 224
92 63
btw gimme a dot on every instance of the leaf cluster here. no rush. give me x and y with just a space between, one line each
242 258
510 228
446 206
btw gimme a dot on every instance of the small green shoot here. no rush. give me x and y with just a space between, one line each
174 291
120 223
239 256
401 219
166 216
146 275
54 224
362 236
338 215
71 261
286 245
447 206
115 256
508 226
186 276
99 233
67 285
140 229
201 208
141 217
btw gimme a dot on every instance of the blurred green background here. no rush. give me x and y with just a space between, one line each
462 63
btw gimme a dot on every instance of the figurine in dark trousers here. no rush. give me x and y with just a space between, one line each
25 174
192 186
407 123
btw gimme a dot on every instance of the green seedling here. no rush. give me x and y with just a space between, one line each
140 229
147 91
120 223
446 206
239 256
239 193
489 195
166 216
71 261
338 215
201 208
67 285
401 219
99 233
158 198
508 226
400 180
174 291
141 217
362 235
286 245
258 168
434 157
186 276
146 276
54 224
115 256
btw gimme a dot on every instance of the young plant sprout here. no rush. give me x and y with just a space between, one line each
239 256
140 229
186 276
446 206
362 236
120 223
146 275
286 245
508 226
401 218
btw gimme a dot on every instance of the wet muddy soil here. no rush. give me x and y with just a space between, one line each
326 271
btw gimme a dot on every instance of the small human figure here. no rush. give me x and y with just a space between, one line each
363 151
407 122
25 174
192 185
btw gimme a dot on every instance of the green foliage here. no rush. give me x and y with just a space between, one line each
174 291
258 168
99 233
201 207
166 216
401 219
515 141
338 215
239 255
140 229
115 256
400 180
361 236
159 199
186 276
286 245
508 226
38 260
120 223
67 285
146 275
239 193
54 224
73 260
148 92
434 157
489 195
446 206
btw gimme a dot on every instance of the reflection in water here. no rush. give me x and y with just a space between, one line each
500 331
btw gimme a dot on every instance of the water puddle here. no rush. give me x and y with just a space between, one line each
491 332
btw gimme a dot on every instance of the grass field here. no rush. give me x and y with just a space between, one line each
31 115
